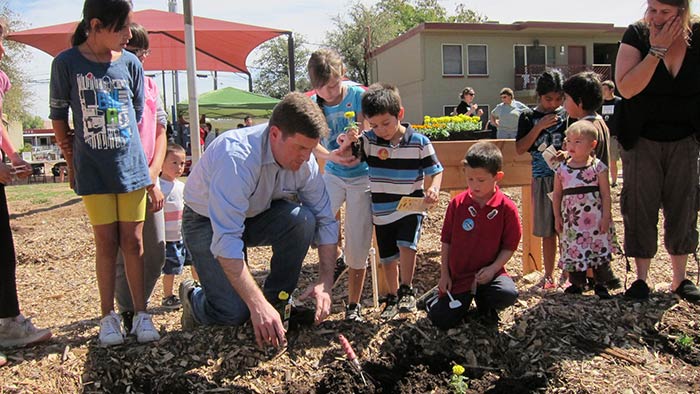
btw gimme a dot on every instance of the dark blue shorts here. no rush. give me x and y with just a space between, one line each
175 255
404 232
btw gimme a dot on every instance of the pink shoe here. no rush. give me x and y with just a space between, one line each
549 284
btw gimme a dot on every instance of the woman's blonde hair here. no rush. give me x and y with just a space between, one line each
323 65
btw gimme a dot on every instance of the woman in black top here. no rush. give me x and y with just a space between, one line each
467 105
658 72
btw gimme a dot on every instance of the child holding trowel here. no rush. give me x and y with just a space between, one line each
480 233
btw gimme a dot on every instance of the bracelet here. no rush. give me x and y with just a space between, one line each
657 54
659 49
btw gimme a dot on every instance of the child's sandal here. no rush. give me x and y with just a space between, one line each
549 284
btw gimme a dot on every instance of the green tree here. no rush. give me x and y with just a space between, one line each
366 29
408 14
16 55
33 122
363 28
272 67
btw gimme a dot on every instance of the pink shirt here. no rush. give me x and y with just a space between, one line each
5 85
149 120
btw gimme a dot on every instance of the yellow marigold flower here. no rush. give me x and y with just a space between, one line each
350 114
283 295
458 370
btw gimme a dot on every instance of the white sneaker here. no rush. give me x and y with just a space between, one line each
143 328
111 332
20 331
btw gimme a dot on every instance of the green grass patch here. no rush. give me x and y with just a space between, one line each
39 193
685 341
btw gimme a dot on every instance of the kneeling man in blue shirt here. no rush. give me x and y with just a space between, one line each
252 187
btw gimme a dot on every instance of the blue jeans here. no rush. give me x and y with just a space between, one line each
288 227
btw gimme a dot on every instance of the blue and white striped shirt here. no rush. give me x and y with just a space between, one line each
397 171
238 178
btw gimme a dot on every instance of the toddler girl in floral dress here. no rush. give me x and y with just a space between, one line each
582 213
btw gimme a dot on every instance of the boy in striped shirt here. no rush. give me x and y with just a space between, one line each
401 164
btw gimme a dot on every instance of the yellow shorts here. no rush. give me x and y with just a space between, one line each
110 208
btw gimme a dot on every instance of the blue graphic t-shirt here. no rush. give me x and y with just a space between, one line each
553 135
335 116
106 100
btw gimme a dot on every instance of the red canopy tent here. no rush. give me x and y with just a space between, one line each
220 45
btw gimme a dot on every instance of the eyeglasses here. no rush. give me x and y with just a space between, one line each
139 52
470 94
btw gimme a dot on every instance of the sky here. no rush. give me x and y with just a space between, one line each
311 18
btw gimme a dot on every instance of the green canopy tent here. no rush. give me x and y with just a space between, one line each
232 103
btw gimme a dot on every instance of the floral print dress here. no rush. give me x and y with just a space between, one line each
581 244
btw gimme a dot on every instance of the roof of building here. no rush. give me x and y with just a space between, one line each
515 27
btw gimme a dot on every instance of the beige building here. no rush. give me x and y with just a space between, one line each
433 62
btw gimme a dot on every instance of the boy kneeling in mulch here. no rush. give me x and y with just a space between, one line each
480 233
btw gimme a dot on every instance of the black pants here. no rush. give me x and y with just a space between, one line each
498 294
9 306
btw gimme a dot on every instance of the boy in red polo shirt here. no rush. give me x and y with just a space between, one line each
480 234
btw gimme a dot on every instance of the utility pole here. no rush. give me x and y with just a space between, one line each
195 143
172 7
290 58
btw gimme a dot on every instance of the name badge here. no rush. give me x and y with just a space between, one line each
492 214
468 224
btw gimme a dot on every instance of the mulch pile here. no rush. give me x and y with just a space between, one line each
547 342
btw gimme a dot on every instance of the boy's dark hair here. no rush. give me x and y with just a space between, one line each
381 98
111 13
139 37
484 155
296 113
174 148
240 126
247 117
585 89
550 81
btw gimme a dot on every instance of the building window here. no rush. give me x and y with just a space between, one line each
477 60
452 59
529 56
551 56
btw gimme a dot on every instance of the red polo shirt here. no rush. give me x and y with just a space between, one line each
477 234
